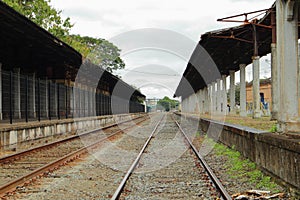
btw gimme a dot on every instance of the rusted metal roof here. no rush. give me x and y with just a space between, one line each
228 48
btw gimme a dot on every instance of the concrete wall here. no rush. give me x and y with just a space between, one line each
278 155
12 135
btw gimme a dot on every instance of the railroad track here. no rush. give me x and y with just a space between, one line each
23 167
169 167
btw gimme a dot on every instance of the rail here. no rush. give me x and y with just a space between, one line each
12 185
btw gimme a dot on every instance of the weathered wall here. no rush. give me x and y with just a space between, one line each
12 135
276 154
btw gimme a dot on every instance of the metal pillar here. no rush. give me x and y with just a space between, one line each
57 86
1 116
32 96
26 98
243 111
17 94
78 100
232 91
93 98
255 85
287 65
47 110
38 100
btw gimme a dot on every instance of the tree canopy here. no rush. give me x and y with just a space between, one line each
40 12
99 51
167 103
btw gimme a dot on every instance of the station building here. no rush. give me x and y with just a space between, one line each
265 93
221 53
39 77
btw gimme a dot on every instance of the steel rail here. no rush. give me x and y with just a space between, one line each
211 174
38 148
12 186
134 164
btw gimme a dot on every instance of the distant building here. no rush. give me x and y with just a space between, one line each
265 94
152 104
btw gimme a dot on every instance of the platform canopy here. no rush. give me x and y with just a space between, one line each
228 48
27 46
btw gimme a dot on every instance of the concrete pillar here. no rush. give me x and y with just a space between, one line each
218 96
195 103
243 111
275 85
232 91
202 101
17 94
209 98
1 115
206 104
287 65
255 85
198 100
188 105
224 95
183 106
214 98
192 103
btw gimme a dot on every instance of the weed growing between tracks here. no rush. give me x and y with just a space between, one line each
244 169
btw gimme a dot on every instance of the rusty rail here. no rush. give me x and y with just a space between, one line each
11 186
45 146
209 171
134 164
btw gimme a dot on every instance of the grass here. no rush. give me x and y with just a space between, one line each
263 123
273 129
244 169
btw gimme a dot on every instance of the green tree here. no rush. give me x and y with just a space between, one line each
43 14
168 103
237 94
99 51
104 54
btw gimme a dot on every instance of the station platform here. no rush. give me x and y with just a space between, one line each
11 135
277 154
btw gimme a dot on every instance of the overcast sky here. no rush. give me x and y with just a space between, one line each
153 67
